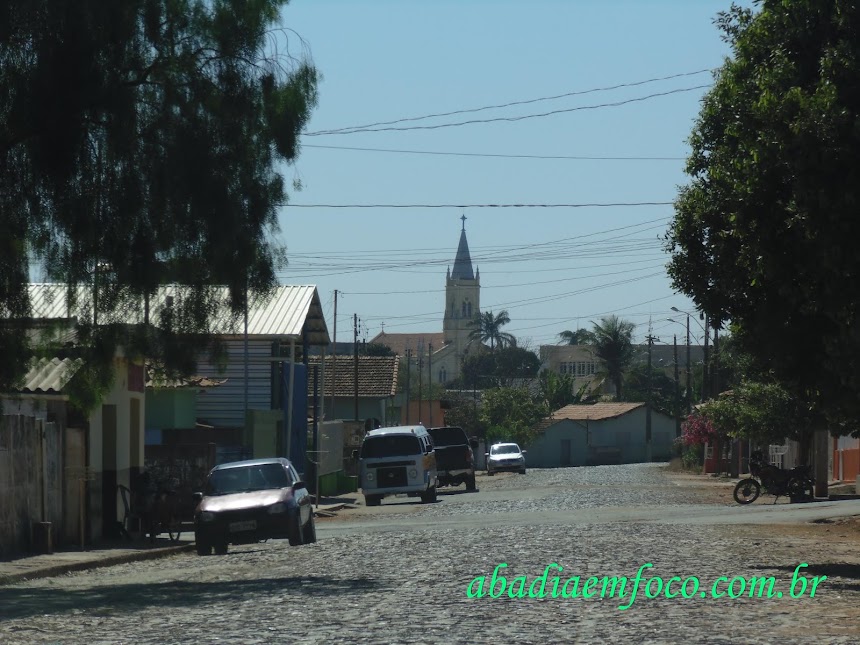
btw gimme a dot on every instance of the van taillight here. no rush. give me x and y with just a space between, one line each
468 455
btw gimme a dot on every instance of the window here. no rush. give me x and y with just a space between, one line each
390 446
443 375
592 368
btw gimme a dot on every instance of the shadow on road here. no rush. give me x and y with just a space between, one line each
106 600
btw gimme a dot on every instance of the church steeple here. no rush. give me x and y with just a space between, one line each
463 261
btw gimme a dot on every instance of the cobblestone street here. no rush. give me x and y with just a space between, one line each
408 584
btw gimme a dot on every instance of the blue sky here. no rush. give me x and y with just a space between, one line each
551 268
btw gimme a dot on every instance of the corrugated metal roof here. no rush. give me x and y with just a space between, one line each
284 314
594 412
49 376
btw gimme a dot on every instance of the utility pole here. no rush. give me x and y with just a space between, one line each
705 366
677 389
334 358
355 361
650 340
715 364
420 379
689 383
408 378
430 381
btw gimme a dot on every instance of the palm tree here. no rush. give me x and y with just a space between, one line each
578 337
488 328
613 345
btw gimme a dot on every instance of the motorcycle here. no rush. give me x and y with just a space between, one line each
797 484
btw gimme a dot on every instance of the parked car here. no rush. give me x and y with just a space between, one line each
506 456
244 502
395 460
455 457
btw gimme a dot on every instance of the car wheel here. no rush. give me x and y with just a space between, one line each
309 533
221 548
297 536
373 500
490 473
470 483
523 471
203 547
429 496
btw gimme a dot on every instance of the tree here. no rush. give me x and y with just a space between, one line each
578 337
510 414
376 349
139 141
613 345
764 233
637 383
556 391
488 328
499 368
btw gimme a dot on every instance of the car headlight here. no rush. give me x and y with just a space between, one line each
369 477
207 516
275 509
413 473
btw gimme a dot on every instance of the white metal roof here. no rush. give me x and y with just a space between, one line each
282 315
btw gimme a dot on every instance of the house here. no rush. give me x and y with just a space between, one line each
93 452
377 386
255 347
602 433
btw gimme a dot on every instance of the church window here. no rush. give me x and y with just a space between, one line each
464 310
443 375
469 312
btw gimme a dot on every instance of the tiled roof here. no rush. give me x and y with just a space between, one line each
377 376
283 315
49 376
594 412
399 343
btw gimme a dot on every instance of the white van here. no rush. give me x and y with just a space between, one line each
399 459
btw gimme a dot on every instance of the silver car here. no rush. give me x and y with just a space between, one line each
506 456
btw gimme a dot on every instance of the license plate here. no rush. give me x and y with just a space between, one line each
250 525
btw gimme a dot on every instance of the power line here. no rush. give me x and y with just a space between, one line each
585 205
511 104
522 117
491 155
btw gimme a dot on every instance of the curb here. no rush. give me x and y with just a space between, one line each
63 569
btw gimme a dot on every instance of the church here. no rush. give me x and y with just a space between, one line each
440 354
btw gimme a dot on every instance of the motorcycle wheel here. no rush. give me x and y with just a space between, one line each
800 490
747 491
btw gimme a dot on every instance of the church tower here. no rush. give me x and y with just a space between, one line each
462 297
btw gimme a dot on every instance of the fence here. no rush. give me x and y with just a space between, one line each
31 485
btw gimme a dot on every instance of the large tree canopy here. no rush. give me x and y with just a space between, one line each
139 141
765 233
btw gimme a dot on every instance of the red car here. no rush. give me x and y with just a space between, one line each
248 501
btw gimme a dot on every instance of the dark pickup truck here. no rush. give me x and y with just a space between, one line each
455 456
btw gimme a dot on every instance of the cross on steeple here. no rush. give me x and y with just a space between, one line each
463 217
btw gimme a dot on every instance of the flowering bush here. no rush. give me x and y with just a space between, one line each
697 430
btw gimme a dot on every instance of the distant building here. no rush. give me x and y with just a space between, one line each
440 355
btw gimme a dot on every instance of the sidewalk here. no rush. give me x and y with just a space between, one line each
30 567
106 554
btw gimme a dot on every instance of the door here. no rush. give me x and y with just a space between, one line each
75 459
564 458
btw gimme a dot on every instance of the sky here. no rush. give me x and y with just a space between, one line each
551 268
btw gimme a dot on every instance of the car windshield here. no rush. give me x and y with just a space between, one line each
507 449
448 437
390 446
242 479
